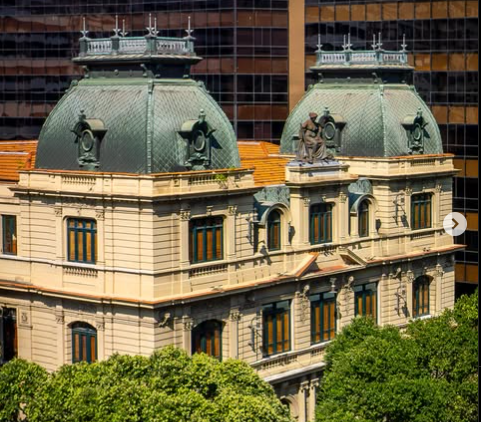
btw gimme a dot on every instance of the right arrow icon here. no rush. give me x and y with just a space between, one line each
455 224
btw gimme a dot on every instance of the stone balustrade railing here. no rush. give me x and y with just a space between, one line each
135 46
349 57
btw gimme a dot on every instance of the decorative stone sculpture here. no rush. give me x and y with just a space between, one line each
311 147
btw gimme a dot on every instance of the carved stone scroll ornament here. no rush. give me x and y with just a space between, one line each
89 134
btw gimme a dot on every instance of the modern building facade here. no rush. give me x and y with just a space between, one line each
139 220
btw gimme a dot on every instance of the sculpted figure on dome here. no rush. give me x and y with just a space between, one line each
311 147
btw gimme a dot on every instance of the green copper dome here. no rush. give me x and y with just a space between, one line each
372 109
137 111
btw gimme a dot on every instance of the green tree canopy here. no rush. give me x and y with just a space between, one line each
168 386
427 373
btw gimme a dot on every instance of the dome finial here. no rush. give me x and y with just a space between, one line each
84 31
189 31
116 29
404 45
124 32
319 45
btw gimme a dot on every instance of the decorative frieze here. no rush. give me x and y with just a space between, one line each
232 209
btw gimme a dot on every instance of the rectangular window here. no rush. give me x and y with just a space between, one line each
81 240
9 234
421 211
206 239
365 297
320 228
421 296
323 317
276 324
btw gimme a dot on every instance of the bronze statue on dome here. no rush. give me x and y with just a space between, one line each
311 147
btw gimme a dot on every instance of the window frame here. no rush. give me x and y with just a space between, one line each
193 239
9 234
365 290
424 217
363 216
275 312
83 329
271 226
200 332
318 328
324 220
83 232
424 282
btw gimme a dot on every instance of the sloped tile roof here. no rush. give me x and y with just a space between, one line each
15 156
269 166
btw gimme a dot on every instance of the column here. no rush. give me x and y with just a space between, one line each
188 324
311 417
343 217
230 232
303 390
234 319
300 219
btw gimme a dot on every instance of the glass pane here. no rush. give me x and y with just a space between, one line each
368 305
83 340
360 310
426 299
88 246
315 228
317 323
329 227
76 347
286 331
217 342
325 322
374 305
279 336
92 348
200 246
71 245
80 246
209 245
428 213
270 335
208 343
218 243
416 216
332 316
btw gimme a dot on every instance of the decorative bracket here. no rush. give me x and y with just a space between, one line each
89 134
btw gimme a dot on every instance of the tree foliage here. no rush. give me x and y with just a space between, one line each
428 373
168 386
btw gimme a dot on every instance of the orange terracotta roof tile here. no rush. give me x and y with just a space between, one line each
263 157
15 156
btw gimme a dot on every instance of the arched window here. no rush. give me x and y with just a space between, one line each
363 216
421 296
274 231
320 227
207 338
84 343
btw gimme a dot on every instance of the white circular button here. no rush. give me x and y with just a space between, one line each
455 224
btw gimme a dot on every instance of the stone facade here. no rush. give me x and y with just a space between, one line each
143 292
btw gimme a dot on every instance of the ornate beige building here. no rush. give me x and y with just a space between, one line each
144 223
